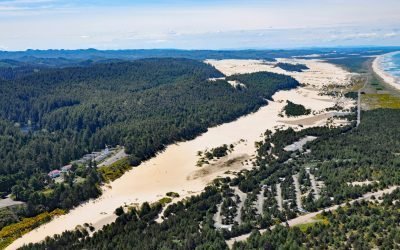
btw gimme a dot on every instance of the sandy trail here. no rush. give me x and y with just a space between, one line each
242 196
314 185
307 218
279 196
260 202
298 191
175 169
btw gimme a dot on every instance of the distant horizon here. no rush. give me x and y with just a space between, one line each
222 49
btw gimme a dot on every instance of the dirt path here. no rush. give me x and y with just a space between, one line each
242 196
314 185
307 218
218 219
279 196
260 202
298 192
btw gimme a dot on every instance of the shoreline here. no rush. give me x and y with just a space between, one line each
389 79
174 169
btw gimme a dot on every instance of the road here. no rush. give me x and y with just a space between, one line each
298 191
260 202
218 219
242 196
314 185
117 156
279 196
8 202
308 218
359 101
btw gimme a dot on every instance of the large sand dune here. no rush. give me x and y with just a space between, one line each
175 168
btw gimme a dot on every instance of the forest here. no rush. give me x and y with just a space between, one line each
293 109
143 105
292 67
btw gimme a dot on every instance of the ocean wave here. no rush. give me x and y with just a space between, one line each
390 63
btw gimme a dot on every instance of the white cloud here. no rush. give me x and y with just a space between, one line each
391 34
57 24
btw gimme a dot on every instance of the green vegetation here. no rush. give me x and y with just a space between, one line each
10 233
352 63
292 109
184 227
143 105
339 156
214 153
115 170
264 84
164 201
172 194
10 215
362 225
375 101
292 67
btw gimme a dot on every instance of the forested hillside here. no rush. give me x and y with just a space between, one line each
142 105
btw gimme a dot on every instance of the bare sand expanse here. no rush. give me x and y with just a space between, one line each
175 168
385 76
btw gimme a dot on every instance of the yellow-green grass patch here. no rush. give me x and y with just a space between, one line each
375 101
10 233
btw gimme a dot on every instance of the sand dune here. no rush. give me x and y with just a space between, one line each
175 168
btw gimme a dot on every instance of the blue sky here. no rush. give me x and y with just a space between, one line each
206 24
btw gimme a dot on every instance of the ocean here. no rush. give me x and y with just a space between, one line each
390 63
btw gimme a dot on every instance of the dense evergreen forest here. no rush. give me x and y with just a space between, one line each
292 67
337 157
293 109
143 105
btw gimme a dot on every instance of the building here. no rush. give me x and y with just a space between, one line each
66 168
54 173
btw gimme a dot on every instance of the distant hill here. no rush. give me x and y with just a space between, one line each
133 54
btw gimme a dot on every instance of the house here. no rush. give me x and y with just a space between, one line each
66 168
54 173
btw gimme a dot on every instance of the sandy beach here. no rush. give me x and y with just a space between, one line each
384 75
175 168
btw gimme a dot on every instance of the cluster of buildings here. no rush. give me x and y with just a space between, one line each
94 156
57 172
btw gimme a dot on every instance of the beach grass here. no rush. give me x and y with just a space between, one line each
375 101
